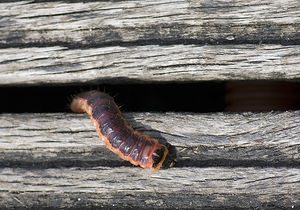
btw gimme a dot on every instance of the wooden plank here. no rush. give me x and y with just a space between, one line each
160 21
202 140
151 63
182 188
36 148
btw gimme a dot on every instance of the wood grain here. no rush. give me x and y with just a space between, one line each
202 140
124 188
225 161
155 21
230 161
151 63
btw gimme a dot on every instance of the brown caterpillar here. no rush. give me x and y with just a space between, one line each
118 136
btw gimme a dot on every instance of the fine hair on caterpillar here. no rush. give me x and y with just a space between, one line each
119 137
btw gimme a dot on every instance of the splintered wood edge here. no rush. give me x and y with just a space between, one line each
248 139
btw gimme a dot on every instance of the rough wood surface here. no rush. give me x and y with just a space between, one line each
149 41
148 63
131 188
266 139
225 161
161 21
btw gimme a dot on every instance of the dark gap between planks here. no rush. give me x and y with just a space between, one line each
160 42
237 96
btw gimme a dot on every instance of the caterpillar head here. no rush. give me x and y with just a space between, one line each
164 157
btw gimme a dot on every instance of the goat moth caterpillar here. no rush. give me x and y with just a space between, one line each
118 136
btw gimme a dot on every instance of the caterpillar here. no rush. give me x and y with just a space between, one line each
119 137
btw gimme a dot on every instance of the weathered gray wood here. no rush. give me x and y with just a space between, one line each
148 63
54 140
181 188
26 24
160 21
32 143
225 160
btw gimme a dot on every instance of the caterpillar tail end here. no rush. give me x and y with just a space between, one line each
78 105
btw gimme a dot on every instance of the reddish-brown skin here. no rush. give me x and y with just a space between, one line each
117 134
